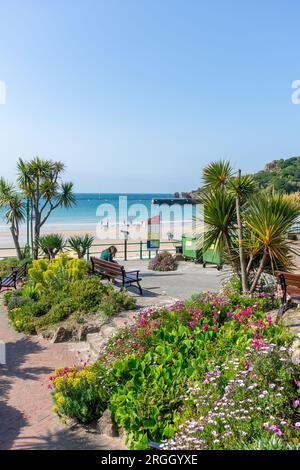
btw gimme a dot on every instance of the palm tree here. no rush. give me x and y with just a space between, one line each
220 222
217 174
14 208
81 245
40 181
242 187
269 218
51 244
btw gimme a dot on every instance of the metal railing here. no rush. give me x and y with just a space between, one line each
126 250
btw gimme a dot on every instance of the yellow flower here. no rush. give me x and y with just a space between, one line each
60 400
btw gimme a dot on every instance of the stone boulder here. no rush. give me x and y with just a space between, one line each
62 334
106 425
86 329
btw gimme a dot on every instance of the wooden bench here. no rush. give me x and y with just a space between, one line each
10 281
114 271
290 287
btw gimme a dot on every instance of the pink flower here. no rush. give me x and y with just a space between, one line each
297 402
216 327
204 327
192 324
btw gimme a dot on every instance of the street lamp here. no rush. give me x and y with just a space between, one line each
126 235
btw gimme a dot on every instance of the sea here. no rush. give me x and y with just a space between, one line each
90 208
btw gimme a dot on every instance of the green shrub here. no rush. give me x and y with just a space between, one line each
22 319
87 293
56 314
113 301
52 305
29 291
58 273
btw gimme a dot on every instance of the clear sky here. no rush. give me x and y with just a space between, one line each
138 95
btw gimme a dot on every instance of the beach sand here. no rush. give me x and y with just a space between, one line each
104 237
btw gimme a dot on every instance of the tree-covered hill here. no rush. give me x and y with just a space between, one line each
282 175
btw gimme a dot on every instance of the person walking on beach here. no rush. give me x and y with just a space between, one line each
109 254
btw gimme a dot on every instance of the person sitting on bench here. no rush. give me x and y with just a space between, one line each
109 254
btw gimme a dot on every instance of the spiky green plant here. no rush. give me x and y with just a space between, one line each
217 174
269 218
81 244
220 222
51 244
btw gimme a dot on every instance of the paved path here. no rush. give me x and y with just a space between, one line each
187 280
26 419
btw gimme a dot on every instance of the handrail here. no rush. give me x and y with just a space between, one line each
140 250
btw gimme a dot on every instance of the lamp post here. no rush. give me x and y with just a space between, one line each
126 236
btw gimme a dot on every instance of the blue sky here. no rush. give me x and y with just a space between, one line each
137 96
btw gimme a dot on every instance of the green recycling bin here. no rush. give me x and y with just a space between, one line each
191 248
212 256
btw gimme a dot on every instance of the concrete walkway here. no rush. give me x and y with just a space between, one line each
190 278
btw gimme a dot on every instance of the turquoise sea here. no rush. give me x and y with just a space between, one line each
87 204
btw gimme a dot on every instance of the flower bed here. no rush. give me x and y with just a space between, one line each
205 345
60 289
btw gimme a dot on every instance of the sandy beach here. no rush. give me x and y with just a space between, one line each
105 236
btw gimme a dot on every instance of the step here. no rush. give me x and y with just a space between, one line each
108 330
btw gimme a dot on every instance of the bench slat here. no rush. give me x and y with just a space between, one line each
289 276
293 291
107 266
115 271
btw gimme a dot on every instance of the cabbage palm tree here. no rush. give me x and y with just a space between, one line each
14 206
269 218
40 181
220 175
242 187
220 222
217 174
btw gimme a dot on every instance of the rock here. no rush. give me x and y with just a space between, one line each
61 335
106 425
86 330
